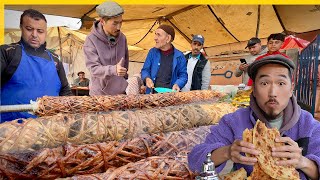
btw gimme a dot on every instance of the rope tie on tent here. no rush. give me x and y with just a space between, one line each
222 24
184 35
145 34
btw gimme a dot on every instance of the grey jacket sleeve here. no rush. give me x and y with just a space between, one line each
206 76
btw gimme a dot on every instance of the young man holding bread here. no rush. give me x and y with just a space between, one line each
273 103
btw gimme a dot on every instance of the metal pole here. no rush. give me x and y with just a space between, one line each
16 108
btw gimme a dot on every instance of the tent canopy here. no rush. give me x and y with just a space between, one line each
219 24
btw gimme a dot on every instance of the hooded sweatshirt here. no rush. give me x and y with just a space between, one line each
102 57
298 124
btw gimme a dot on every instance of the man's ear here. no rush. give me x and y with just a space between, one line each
102 21
170 38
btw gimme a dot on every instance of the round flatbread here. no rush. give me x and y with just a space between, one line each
240 174
247 137
259 174
264 140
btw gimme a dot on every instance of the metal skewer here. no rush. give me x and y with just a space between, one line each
19 108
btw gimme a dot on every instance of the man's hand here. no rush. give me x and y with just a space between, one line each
243 67
143 89
149 83
121 71
176 88
239 146
291 151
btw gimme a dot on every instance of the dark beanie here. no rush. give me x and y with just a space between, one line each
168 29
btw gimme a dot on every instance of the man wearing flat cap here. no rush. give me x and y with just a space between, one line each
256 50
198 67
165 66
272 101
106 51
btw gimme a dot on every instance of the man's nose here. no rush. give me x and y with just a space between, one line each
34 33
272 91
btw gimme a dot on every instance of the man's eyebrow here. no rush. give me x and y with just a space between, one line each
27 26
284 76
264 75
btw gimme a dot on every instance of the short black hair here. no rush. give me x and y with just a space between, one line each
277 36
34 14
81 72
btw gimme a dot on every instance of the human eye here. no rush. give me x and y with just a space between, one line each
263 83
282 83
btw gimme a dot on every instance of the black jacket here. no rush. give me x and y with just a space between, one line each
10 55
197 72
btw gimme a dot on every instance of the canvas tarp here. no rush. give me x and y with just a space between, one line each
219 24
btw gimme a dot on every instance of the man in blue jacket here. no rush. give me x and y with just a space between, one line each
165 66
274 104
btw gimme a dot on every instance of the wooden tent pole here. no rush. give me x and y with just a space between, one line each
60 44
279 19
258 21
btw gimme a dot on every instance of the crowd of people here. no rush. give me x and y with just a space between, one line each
29 71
